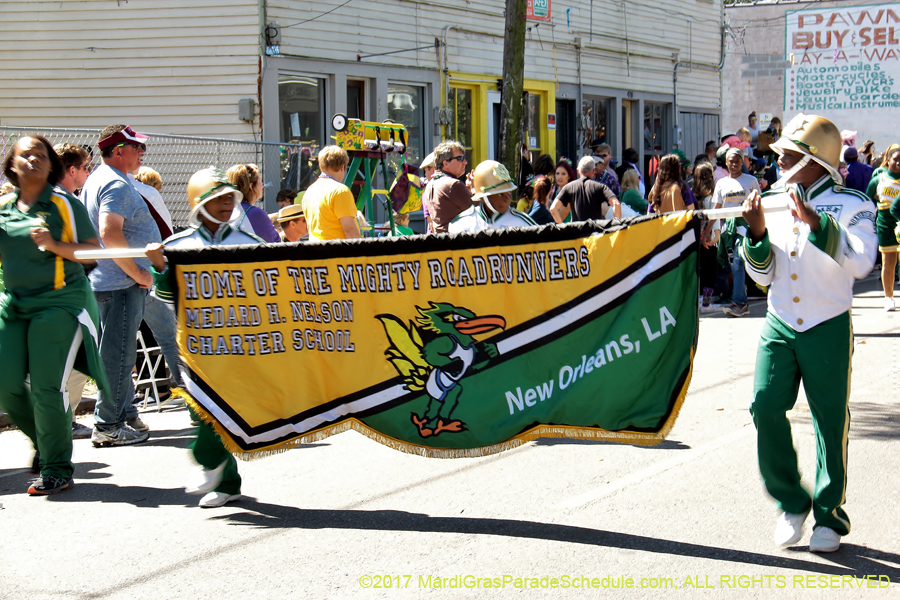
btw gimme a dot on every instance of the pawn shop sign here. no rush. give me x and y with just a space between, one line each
537 10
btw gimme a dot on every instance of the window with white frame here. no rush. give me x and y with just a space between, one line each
406 105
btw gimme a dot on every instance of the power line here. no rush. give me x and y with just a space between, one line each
319 16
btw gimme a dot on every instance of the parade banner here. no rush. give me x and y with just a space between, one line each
445 345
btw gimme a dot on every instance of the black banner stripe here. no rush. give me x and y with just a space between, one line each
391 246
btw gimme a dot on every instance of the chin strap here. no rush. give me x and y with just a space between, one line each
786 177
489 205
206 214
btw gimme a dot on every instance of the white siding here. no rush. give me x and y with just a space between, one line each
181 67
645 62
164 65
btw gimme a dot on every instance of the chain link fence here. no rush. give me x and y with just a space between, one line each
177 157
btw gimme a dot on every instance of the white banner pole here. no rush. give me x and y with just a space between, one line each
737 211
105 253
110 253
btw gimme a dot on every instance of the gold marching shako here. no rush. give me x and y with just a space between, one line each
355 135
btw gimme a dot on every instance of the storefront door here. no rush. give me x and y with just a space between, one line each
494 102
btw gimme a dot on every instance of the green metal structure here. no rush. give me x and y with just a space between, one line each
367 163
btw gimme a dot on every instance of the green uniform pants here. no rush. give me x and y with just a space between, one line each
40 343
820 358
209 452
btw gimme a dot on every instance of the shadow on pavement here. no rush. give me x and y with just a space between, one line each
136 495
867 421
665 445
10 472
864 560
85 471
175 438
849 560
18 483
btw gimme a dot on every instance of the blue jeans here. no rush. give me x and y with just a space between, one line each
738 275
121 312
161 321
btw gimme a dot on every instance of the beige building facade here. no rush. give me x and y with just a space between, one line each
641 74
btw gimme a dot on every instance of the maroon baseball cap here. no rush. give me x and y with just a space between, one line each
125 136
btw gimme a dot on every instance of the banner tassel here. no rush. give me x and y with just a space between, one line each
541 431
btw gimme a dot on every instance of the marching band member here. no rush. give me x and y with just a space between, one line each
214 221
48 315
811 257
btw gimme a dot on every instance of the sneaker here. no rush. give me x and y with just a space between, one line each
737 310
709 309
824 539
80 432
889 305
204 480
136 424
215 499
789 528
121 436
49 485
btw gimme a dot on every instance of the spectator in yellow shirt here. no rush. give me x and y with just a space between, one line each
328 204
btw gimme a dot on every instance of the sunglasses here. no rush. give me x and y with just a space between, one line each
458 158
135 146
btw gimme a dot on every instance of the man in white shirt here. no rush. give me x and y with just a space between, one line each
159 317
732 191
154 199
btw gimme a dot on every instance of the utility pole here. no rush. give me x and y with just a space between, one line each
513 83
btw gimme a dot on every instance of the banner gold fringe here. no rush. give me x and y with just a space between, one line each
541 431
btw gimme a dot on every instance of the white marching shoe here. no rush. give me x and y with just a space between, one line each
824 539
203 480
216 499
789 528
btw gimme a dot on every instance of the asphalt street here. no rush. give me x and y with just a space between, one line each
349 518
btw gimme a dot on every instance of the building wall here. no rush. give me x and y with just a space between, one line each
181 67
643 60
164 66
624 50
633 43
755 62
759 57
